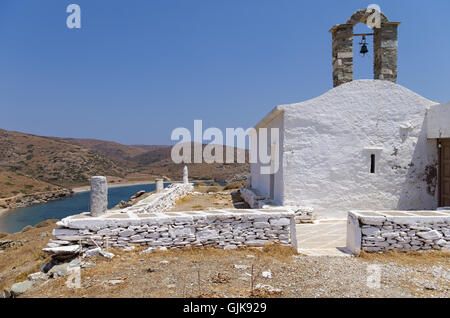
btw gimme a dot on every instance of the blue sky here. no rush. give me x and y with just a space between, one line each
138 69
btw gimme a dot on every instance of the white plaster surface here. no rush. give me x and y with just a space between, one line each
438 121
327 142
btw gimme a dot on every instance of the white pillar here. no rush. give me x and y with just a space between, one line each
159 185
99 196
185 175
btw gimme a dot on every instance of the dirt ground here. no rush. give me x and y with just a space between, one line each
210 197
275 271
210 272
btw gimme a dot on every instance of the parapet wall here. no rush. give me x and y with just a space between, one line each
303 214
161 201
380 231
222 228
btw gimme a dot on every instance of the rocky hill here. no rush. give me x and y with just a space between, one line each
30 163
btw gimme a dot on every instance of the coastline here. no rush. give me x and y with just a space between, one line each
114 185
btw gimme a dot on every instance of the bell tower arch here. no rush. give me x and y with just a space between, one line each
385 42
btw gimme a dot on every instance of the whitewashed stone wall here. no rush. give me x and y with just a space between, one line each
372 231
161 201
227 229
327 143
253 198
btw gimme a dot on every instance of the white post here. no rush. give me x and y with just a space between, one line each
99 196
159 185
185 175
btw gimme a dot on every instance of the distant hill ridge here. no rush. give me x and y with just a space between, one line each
51 163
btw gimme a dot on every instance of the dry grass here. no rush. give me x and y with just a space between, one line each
201 201
12 184
25 255
408 258
184 199
235 185
188 272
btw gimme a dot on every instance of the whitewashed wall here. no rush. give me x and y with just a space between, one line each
328 141
262 181
438 121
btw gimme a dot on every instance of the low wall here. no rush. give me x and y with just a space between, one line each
162 201
253 198
223 228
303 214
380 231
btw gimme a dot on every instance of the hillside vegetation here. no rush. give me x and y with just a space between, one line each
30 163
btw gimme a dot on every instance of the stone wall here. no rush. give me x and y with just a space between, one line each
161 201
403 231
254 199
227 229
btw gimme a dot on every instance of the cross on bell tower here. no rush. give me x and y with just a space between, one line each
385 42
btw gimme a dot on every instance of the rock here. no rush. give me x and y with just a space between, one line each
171 286
164 262
441 242
138 194
129 248
126 233
60 270
389 234
70 232
230 247
52 244
370 231
250 256
87 264
70 249
261 225
267 289
37 276
75 263
280 222
6 294
20 288
92 252
106 254
47 266
430 235
267 274
240 266
114 281
162 249
148 250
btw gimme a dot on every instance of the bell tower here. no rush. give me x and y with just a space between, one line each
385 42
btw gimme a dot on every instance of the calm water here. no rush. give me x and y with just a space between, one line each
15 220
